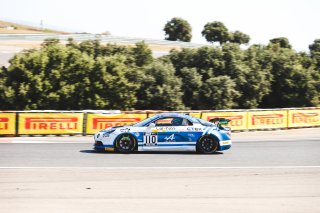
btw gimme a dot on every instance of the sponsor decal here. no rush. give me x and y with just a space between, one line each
170 138
196 129
225 142
137 134
125 130
191 135
165 128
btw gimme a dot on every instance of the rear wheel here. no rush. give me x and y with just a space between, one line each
207 145
126 143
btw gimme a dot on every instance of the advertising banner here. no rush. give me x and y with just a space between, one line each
267 119
304 118
7 123
50 123
238 119
96 122
195 114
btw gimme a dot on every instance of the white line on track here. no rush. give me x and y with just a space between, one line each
42 142
216 167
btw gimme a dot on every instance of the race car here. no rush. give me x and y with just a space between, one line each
165 132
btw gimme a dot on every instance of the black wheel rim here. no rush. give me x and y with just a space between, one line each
208 145
125 143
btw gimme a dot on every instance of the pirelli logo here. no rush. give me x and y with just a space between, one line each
103 123
309 118
51 123
4 123
267 119
236 120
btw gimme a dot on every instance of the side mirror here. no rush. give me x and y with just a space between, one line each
151 125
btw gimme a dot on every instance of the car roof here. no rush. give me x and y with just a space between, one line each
175 114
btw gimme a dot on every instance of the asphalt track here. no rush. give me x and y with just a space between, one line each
268 171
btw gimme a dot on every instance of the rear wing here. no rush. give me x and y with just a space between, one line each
221 121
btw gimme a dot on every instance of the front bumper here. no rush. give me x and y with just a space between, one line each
224 145
99 146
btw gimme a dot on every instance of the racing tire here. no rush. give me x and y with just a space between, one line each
207 145
126 143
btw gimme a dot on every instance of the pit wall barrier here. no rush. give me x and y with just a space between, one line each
89 122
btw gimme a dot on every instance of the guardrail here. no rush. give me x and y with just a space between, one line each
102 38
50 122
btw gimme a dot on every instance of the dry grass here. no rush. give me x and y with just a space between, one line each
24 29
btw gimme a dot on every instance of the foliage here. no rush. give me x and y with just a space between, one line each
218 93
160 88
216 32
142 54
178 29
239 37
282 41
315 52
92 75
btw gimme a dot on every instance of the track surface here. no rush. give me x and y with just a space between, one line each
273 171
250 149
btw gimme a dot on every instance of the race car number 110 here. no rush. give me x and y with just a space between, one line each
150 139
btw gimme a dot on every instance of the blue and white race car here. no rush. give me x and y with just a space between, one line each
165 132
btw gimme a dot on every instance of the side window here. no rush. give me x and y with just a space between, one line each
173 122
186 122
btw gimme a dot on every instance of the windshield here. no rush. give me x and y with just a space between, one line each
205 123
144 122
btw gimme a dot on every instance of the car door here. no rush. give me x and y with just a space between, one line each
168 134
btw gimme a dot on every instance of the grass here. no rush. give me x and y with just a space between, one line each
24 29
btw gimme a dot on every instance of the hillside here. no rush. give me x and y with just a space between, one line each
13 28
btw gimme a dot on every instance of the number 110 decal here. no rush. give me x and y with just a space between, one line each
150 139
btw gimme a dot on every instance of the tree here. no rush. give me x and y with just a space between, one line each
178 29
315 52
50 41
62 77
142 54
315 47
160 89
91 47
191 84
282 41
239 37
292 84
218 93
216 32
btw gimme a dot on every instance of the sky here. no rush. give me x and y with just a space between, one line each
262 20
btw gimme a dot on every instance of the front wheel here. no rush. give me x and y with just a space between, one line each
207 145
126 143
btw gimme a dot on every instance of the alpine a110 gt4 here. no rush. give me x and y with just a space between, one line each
165 132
